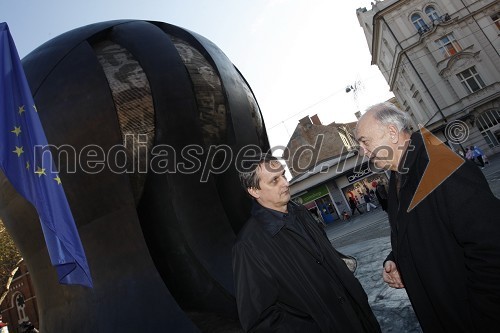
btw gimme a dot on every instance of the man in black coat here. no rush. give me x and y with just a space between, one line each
381 194
288 277
445 229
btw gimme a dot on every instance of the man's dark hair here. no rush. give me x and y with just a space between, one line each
248 170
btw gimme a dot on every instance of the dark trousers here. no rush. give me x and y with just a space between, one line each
480 160
353 209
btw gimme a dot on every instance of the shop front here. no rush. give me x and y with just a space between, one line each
358 182
319 202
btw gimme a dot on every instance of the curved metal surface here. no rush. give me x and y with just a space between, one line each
245 124
161 249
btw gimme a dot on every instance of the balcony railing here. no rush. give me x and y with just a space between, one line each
442 18
425 28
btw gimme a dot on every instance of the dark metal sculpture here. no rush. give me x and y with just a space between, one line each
137 111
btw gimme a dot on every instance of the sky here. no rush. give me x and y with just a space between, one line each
298 56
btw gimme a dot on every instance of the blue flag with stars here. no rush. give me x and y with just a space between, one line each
28 164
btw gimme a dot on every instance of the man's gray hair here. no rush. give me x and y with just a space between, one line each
387 114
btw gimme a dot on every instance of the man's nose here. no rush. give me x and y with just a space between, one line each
285 181
363 149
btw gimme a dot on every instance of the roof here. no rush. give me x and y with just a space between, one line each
324 165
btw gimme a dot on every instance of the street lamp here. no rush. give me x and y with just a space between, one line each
355 88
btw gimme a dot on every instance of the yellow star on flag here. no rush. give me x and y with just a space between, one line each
16 130
58 180
34 107
40 171
18 151
28 165
21 109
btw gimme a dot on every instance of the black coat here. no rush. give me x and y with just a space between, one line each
447 248
287 283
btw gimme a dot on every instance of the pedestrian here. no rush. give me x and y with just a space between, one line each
478 155
368 201
288 277
28 327
354 205
485 159
446 248
469 154
4 328
381 194
317 216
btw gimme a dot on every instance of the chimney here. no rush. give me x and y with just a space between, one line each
315 120
305 121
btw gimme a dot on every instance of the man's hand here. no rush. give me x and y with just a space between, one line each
391 275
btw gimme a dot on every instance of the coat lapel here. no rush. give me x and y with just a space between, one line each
313 249
404 203
399 222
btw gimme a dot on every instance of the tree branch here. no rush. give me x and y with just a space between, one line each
5 289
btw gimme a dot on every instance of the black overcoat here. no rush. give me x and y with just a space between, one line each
285 283
447 248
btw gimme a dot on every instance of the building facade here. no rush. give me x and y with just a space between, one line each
441 59
312 142
20 303
325 190
327 169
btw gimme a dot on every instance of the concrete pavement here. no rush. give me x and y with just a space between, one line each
367 238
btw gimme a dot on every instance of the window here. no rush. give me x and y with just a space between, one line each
344 140
471 80
496 19
488 119
20 306
448 45
419 23
489 124
431 13
490 138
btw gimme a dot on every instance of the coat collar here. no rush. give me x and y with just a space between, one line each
272 221
408 160
407 163
409 157
399 178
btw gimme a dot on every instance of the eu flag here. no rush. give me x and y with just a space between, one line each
28 164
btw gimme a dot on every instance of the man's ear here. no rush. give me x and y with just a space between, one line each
393 133
254 192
